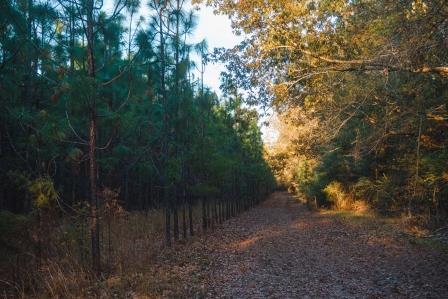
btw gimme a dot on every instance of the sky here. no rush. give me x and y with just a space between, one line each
217 30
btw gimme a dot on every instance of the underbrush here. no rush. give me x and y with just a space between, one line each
438 245
366 220
374 224
48 255
382 197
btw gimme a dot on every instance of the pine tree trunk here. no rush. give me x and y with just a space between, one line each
165 183
190 217
167 224
176 223
184 221
94 227
204 215
417 167
207 214
215 212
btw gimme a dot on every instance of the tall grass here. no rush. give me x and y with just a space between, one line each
49 255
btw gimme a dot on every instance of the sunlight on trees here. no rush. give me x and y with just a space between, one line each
360 91
102 118
112 149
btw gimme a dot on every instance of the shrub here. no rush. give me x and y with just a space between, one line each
43 193
13 230
337 196
380 193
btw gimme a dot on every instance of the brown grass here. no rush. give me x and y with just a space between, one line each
54 260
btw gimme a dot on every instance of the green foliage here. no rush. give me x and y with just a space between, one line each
310 182
203 190
75 155
19 179
336 195
13 230
152 134
358 93
433 165
365 188
43 192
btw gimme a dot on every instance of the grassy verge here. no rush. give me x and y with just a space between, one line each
50 257
394 227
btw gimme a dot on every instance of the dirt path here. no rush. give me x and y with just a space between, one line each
281 250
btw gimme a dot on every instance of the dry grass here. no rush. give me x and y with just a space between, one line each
54 261
379 227
135 261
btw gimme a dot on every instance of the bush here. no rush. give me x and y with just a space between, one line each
204 190
13 231
337 196
43 193
380 193
41 190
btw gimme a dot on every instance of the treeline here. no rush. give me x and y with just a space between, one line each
360 90
101 109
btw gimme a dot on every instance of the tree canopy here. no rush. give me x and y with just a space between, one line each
100 104
359 90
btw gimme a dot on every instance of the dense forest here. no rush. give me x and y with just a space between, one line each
101 114
113 150
360 89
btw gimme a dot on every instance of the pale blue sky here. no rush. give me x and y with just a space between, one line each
216 29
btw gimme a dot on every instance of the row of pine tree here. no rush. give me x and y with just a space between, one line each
98 100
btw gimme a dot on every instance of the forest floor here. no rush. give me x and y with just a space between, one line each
279 249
